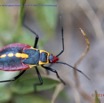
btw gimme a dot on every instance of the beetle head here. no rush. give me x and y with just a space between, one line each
53 59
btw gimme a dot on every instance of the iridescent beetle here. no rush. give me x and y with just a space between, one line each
20 57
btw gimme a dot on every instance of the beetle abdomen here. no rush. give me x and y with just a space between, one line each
10 58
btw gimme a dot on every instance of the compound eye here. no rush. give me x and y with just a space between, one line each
51 57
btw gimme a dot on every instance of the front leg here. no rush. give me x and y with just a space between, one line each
52 70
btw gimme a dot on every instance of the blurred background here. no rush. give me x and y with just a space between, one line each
44 20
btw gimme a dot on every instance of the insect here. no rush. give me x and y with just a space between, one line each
20 57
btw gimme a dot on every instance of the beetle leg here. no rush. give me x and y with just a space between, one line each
52 70
40 79
36 38
15 78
